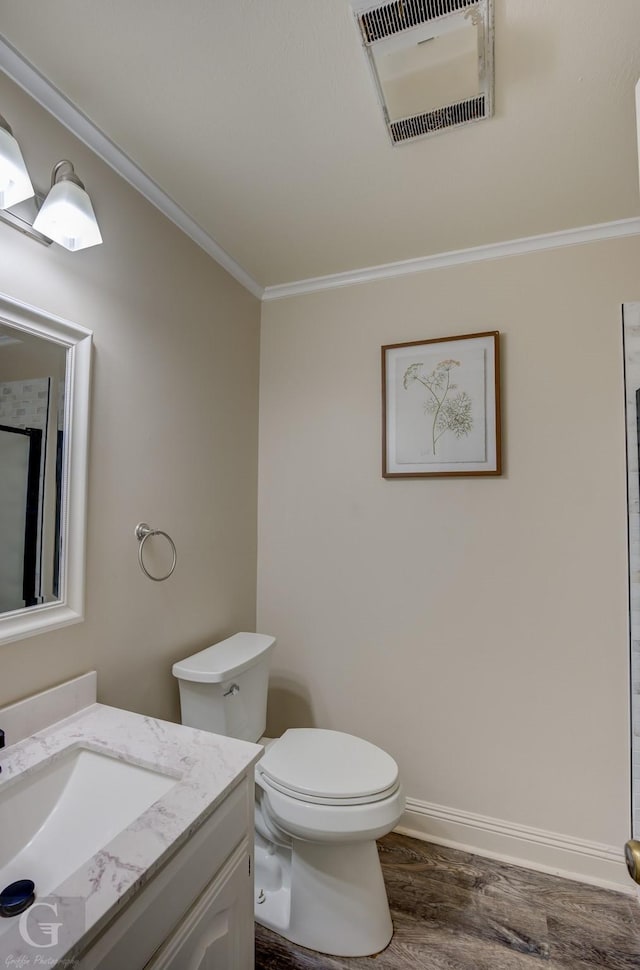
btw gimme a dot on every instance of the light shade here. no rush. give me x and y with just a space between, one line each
67 215
15 184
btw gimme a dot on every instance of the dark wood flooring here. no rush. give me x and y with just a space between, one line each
456 911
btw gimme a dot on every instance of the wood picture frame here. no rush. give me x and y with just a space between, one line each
441 407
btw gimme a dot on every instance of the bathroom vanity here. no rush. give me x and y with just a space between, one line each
138 835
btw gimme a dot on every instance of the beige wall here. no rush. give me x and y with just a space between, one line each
173 432
476 629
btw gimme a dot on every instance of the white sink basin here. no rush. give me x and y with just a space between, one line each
58 816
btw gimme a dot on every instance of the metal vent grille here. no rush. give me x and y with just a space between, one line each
401 14
432 121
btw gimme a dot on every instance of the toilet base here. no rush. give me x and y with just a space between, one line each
338 904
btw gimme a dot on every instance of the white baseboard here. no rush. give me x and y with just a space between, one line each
560 855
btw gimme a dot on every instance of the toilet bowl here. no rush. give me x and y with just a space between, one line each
322 799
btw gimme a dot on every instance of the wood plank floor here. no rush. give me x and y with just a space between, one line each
456 911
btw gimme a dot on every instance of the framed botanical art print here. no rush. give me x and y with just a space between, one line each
441 407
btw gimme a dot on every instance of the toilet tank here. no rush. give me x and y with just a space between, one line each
224 687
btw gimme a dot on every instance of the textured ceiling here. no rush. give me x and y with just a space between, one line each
259 117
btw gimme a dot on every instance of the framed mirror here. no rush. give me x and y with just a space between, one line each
45 365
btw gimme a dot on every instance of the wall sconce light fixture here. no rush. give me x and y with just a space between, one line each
65 216
15 184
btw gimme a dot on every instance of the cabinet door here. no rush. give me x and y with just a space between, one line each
217 933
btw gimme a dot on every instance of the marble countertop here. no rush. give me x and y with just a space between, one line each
206 767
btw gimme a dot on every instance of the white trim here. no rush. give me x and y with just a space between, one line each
35 84
407 267
77 342
538 849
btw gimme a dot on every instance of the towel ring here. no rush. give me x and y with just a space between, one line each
143 531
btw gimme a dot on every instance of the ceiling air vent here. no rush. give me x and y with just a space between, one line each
432 62
391 18
432 121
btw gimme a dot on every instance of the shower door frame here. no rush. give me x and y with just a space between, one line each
32 565
631 360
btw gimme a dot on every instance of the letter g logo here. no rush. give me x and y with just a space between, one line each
48 930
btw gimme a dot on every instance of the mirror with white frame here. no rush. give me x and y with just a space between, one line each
44 402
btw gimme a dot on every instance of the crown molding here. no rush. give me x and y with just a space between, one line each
26 76
407 267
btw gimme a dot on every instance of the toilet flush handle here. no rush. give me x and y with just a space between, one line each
233 690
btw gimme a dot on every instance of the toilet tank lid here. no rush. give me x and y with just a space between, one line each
224 660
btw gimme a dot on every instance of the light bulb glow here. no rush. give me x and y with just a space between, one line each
15 184
68 218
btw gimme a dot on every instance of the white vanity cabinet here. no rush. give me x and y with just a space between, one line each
217 933
196 912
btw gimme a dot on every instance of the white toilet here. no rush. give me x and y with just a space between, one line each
322 799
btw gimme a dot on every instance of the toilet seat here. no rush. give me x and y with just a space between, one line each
324 821
328 768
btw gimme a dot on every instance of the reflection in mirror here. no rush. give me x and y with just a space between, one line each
32 375
44 395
